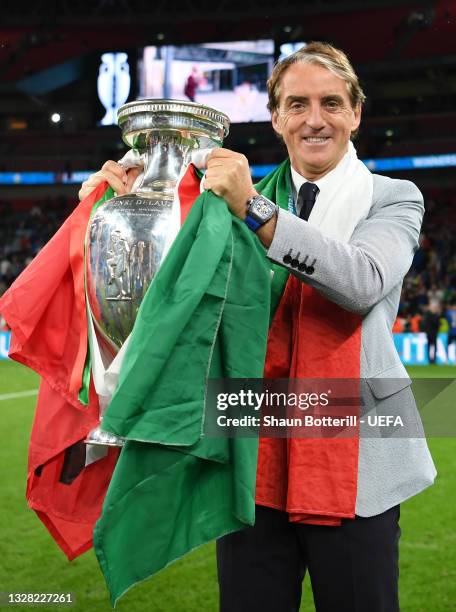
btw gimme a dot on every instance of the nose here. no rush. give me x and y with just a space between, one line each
315 119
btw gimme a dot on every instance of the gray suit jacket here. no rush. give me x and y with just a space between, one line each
365 276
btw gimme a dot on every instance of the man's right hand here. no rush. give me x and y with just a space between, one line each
118 178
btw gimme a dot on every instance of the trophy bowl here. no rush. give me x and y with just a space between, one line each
128 236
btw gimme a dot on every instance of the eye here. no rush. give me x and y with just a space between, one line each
332 104
296 106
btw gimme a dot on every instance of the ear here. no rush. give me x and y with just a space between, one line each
276 123
356 117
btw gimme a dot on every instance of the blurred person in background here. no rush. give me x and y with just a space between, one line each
435 296
450 315
430 325
415 322
399 325
191 84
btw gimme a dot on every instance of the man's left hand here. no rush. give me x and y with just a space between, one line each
228 176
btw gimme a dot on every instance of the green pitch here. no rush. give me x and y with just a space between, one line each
30 561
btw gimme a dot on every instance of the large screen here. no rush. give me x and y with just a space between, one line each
228 76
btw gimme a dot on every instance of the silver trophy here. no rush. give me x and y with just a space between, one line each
129 235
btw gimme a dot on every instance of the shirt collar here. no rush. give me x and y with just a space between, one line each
298 181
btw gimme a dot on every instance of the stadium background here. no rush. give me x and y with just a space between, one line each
405 54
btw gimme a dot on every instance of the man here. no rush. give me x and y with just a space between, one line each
431 326
451 318
347 238
191 84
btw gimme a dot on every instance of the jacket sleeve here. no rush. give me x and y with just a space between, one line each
358 274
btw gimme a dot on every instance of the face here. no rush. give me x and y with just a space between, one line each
315 118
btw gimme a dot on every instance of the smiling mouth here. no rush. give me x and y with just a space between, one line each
316 139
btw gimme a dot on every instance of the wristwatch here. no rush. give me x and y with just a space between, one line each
259 211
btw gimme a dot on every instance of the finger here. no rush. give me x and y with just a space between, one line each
225 163
83 192
207 184
218 175
118 184
95 179
229 170
214 186
214 172
89 185
221 153
216 162
133 174
115 168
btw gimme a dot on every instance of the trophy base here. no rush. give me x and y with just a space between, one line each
103 438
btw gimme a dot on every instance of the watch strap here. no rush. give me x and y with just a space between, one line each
252 223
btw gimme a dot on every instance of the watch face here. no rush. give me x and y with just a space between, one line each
262 208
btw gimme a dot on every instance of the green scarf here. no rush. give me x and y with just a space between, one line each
277 187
